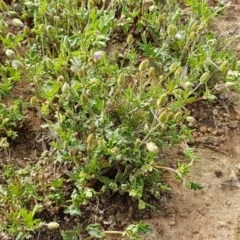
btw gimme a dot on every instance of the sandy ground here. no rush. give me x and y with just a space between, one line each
212 213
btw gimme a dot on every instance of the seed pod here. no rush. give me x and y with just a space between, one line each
90 4
205 77
160 78
194 26
163 117
83 98
162 100
173 67
10 53
130 39
178 116
143 65
161 20
170 116
3 7
121 80
90 138
65 87
34 101
69 113
238 64
151 73
26 31
229 84
116 55
224 66
188 85
53 225
172 30
192 36
178 71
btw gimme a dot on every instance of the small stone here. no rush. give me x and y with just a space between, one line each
207 203
233 124
222 224
218 173
172 223
203 129
238 167
228 203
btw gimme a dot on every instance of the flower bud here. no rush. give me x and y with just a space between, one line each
152 147
16 64
10 53
98 55
17 23
205 77
143 65
53 225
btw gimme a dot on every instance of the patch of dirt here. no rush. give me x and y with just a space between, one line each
211 213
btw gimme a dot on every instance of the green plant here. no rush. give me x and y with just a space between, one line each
112 81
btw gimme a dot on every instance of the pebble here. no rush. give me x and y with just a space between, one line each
233 124
203 129
222 224
172 223
207 203
218 173
228 203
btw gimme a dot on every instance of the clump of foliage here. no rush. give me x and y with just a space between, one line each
112 81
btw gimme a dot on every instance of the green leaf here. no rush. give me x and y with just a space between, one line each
94 230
